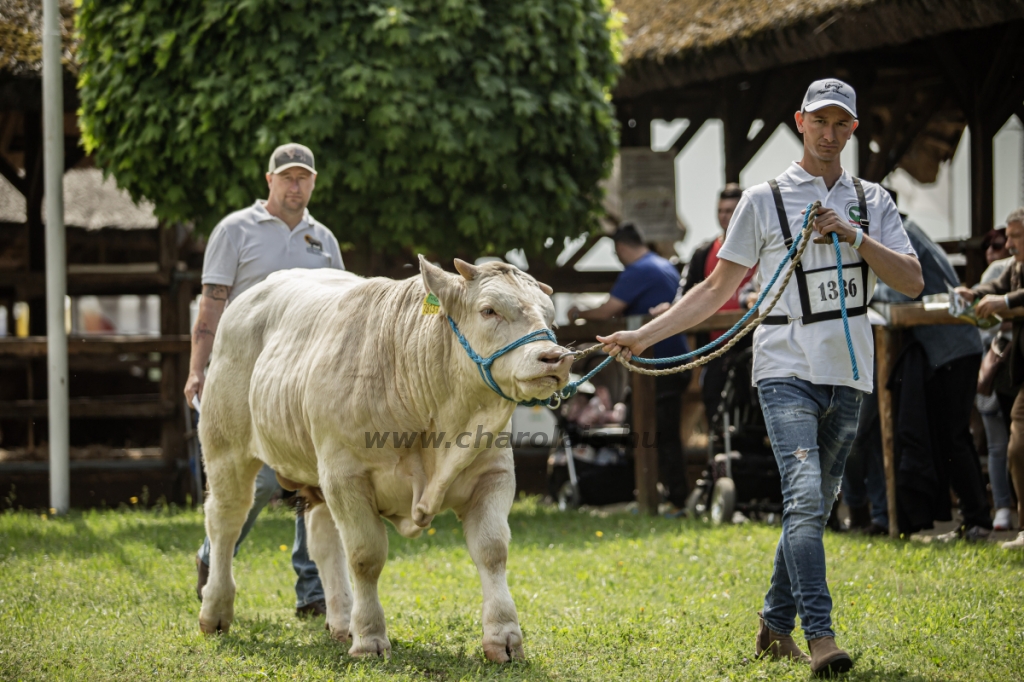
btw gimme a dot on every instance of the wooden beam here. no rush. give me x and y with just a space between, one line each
890 134
910 133
957 77
885 358
684 137
645 453
35 346
1003 66
112 279
130 407
10 173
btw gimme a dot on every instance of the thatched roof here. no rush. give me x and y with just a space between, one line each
90 201
21 36
671 43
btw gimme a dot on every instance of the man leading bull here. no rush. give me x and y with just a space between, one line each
802 367
244 249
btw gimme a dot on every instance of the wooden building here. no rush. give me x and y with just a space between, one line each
923 70
128 428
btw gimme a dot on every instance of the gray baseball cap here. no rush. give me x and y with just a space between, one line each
289 156
830 92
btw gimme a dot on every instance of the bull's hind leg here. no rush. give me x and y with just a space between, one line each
231 479
328 553
365 538
485 522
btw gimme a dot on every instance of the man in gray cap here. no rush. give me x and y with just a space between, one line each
245 247
809 393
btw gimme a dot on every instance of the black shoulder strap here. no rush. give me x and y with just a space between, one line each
781 210
864 222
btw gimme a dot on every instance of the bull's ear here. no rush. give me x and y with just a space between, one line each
440 283
467 270
545 288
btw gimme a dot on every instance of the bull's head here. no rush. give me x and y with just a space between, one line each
494 305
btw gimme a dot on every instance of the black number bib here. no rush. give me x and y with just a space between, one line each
819 288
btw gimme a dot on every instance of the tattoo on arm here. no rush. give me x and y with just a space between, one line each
217 292
202 330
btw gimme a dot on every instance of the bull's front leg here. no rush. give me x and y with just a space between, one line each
485 522
351 501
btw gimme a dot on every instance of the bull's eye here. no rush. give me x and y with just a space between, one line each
488 313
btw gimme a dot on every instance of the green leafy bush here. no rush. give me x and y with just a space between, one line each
438 124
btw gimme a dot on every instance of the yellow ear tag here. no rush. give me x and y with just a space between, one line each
431 306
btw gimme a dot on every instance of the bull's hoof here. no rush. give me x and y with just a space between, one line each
218 627
216 615
339 633
509 650
371 645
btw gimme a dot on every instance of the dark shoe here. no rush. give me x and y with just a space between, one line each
776 646
312 609
875 529
827 659
966 533
204 574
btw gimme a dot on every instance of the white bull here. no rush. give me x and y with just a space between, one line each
308 363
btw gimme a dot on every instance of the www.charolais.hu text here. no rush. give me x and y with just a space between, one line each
480 439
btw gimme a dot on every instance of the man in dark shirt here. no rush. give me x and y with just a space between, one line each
647 281
954 357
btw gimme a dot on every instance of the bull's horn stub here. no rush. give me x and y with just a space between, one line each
467 270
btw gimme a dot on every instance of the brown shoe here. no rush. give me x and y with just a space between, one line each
312 609
775 645
204 574
827 659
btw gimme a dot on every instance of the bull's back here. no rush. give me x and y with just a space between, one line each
262 319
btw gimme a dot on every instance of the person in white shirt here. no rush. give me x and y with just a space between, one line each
802 367
245 247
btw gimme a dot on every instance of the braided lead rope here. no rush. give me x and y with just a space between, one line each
803 239
842 305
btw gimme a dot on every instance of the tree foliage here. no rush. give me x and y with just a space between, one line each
439 124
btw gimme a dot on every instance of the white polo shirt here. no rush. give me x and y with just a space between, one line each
248 245
815 352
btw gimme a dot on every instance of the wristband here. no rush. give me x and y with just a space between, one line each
1006 300
859 240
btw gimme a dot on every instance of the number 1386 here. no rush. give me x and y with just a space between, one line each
830 290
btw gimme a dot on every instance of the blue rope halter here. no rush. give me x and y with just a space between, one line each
483 365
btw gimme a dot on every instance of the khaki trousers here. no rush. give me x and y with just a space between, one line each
1015 452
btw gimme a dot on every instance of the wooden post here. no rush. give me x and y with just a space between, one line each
885 355
645 452
982 189
172 437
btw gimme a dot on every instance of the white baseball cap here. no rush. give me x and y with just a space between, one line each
291 155
830 92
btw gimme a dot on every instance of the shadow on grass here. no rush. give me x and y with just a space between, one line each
290 647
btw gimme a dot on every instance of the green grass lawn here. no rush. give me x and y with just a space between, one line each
107 595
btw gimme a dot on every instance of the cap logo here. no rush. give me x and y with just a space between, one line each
834 87
292 155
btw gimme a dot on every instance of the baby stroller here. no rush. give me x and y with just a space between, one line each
591 461
741 473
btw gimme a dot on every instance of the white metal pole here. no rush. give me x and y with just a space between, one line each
56 265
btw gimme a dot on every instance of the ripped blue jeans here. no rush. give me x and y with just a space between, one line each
812 428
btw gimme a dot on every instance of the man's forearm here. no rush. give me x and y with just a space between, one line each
900 271
211 307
